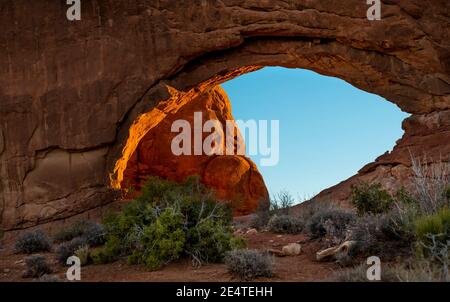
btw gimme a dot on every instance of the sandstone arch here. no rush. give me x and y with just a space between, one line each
70 91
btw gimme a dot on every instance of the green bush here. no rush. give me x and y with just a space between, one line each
209 240
285 224
436 224
166 222
32 242
371 199
403 197
249 264
161 241
433 227
331 222
83 254
37 266
102 255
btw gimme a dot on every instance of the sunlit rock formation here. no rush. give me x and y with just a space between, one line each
234 178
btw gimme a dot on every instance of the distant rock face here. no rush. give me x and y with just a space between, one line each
426 139
76 97
234 178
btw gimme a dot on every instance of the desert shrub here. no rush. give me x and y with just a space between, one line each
417 271
249 264
355 274
32 242
93 232
371 199
389 273
262 215
83 253
161 241
37 266
431 183
281 203
49 278
433 233
310 208
67 233
168 221
436 224
285 224
404 197
102 255
366 232
399 222
209 241
377 235
68 249
330 222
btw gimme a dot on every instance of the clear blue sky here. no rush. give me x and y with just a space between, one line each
328 128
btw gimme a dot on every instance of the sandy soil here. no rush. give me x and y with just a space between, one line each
295 268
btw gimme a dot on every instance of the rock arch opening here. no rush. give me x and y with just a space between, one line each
147 151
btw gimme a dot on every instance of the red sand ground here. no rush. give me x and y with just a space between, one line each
303 267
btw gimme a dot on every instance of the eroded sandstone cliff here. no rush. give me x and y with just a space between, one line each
72 92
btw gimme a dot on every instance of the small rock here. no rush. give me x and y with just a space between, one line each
252 231
292 249
276 252
279 236
6 270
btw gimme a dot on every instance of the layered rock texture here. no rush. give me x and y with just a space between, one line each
234 178
77 97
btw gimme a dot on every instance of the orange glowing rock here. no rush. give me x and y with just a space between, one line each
234 178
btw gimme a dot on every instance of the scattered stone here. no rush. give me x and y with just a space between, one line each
252 232
276 252
330 253
292 249
6 270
